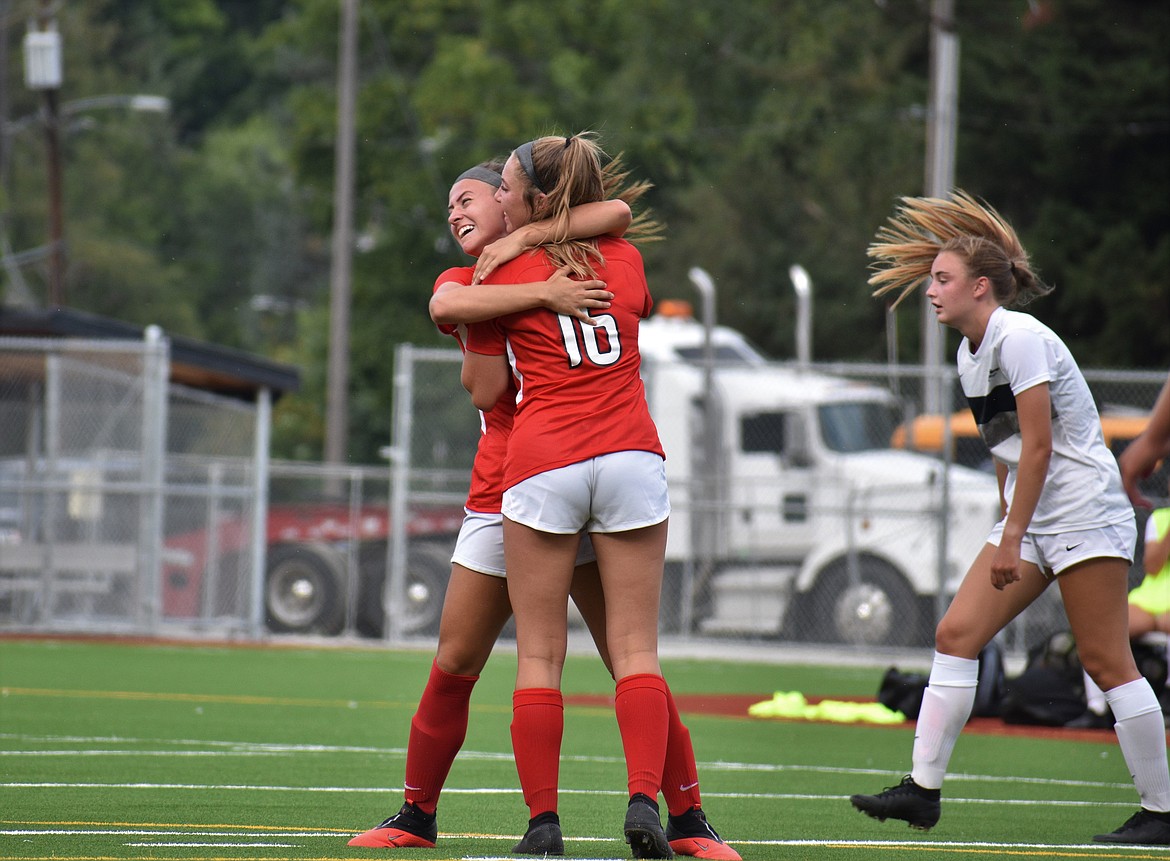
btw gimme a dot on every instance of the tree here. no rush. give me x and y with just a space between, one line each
774 133
1066 130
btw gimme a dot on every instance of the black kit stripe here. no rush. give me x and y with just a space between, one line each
998 400
996 415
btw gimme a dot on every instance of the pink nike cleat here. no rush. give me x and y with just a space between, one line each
409 828
691 834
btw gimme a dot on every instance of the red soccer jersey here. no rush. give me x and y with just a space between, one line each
487 471
581 392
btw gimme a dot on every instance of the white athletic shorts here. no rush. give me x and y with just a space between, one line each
1060 551
611 493
480 545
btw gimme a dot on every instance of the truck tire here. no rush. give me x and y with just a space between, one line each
428 569
303 589
881 609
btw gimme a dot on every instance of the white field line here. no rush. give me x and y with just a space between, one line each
758 796
244 838
243 748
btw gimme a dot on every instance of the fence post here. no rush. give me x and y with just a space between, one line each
50 496
259 546
352 554
945 388
394 589
155 379
211 572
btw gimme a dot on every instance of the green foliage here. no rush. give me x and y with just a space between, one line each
1066 131
775 133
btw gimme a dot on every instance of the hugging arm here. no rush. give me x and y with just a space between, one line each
485 377
602 218
454 303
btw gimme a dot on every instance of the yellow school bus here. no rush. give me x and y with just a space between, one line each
925 434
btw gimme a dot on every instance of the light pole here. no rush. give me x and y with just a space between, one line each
138 102
341 264
42 71
941 135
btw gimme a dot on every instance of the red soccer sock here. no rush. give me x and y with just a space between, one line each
436 734
642 717
538 724
680 776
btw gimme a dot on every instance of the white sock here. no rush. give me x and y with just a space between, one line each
1141 732
946 706
1094 696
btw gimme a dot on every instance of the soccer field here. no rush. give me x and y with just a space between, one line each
204 752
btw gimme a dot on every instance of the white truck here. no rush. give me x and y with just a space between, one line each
792 515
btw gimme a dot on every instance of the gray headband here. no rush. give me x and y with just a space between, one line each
481 173
524 156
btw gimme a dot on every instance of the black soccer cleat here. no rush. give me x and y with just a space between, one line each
644 829
1144 828
907 801
543 836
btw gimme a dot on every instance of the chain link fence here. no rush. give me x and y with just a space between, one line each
811 503
106 471
130 504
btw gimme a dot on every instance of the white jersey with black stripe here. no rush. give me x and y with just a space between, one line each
1083 487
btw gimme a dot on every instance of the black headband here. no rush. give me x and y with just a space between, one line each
524 156
483 174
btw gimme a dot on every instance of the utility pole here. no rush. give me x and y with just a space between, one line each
337 393
941 133
42 71
942 120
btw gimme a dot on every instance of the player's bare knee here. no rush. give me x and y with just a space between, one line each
1107 668
950 638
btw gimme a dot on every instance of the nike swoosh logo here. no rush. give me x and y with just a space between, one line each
688 786
1068 547
412 788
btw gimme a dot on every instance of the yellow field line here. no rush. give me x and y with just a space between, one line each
238 699
172 825
234 699
991 852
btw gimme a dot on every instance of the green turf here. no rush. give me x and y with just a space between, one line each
130 751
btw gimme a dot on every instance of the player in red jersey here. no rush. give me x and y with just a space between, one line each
476 605
584 454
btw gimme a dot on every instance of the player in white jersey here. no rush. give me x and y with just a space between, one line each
1082 488
1066 518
